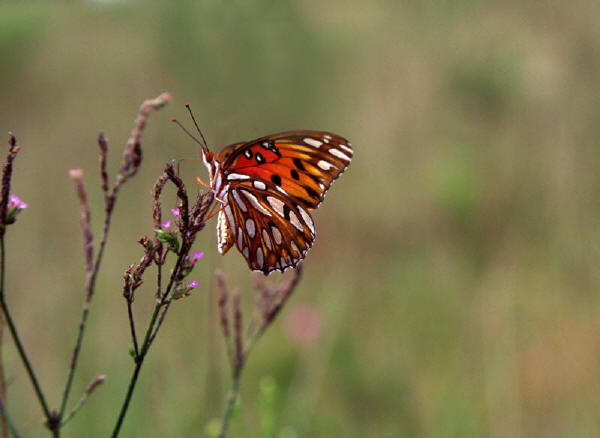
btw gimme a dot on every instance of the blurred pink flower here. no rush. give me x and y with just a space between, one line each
15 202
303 324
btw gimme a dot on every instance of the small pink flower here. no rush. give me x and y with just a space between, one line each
175 212
167 225
303 324
197 256
15 202
193 284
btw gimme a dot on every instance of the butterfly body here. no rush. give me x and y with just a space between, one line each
266 188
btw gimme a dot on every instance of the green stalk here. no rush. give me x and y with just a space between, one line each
17 340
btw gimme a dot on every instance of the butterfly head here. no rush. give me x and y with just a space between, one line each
214 169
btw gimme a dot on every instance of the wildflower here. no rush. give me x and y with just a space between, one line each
175 212
197 256
169 236
16 202
15 205
183 291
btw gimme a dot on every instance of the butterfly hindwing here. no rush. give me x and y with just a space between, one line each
270 231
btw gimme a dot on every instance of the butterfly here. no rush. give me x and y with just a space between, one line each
266 188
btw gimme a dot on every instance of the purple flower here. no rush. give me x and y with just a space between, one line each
15 202
15 205
197 256
193 284
175 212
167 225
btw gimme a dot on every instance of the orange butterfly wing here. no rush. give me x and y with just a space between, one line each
274 181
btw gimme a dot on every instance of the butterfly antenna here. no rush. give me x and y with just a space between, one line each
187 105
188 133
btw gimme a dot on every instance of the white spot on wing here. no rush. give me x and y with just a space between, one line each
255 202
236 176
250 228
294 221
267 239
239 201
346 148
229 214
279 189
240 238
339 154
325 165
259 185
295 248
307 219
276 234
276 204
260 260
245 252
312 142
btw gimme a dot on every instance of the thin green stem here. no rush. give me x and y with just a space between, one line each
235 379
139 360
231 398
81 401
148 337
136 350
17 340
4 427
8 420
132 382
84 316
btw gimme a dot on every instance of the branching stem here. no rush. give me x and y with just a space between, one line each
148 338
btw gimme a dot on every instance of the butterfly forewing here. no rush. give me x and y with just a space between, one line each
300 164
273 182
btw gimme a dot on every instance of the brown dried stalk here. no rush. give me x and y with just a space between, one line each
4 200
132 158
13 149
189 223
269 304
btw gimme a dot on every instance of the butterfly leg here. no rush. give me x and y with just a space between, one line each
200 181
215 209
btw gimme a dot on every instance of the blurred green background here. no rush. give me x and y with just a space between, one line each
454 277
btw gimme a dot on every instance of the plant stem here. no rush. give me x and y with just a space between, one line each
139 360
84 316
231 398
148 338
132 382
3 420
136 350
8 420
17 340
